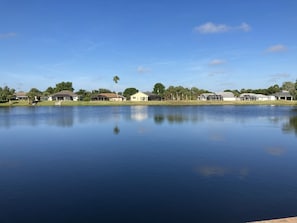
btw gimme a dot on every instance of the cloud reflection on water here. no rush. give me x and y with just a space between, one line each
275 151
221 171
218 137
208 171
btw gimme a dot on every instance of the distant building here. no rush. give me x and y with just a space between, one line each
153 97
139 96
219 96
63 96
108 97
21 95
227 96
284 95
256 97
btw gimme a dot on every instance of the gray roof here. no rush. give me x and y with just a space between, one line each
226 94
283 94
64 93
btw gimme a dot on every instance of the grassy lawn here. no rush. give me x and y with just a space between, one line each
168 103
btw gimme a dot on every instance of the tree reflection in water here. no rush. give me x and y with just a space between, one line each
174 118
116 130
291 125
159 118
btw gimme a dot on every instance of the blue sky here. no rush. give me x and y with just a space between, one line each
209 44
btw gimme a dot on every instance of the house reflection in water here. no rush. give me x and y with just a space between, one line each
139 113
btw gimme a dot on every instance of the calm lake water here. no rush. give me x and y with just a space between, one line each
147 164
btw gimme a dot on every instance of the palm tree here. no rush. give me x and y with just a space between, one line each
115 80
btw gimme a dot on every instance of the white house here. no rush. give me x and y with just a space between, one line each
219 96
227 96
284 95
139 96
63 96
256 97
108 97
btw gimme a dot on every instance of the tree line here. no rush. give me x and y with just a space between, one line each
169 93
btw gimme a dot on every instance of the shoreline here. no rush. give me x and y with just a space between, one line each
147 103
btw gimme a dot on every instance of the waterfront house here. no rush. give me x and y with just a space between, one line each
21 95
284 95
63 96
209 97
108 97
219 96
256 97
226 96
139 96
153 97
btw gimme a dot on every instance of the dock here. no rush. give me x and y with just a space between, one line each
280 220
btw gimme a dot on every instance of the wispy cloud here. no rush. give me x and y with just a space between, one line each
215 62
276 48
244 27
141 69
215 73
210 28
276 77
7 35
91 45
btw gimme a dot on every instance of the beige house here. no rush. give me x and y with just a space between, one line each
139 96
21 96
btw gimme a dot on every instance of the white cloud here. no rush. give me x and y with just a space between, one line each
7 35
276 48
244 27
210 27
217 62
216 73
276 77
141 69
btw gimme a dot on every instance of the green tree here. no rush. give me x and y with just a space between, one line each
49 91
103 90
169 93
116 80
84 95
273 89
64 86
290 87
34 94
159 89
129 91
6 93
296 89
195 92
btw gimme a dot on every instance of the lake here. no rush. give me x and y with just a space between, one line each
148 164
